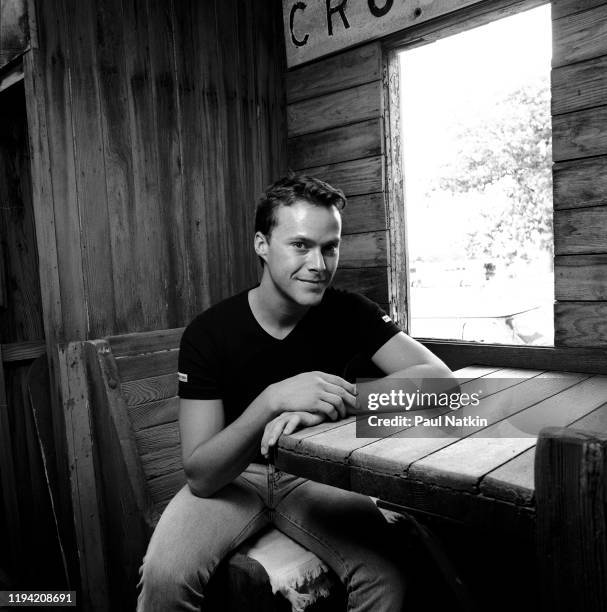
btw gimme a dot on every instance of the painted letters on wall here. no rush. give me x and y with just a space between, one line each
314 28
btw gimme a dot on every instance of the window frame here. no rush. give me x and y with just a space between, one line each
455 353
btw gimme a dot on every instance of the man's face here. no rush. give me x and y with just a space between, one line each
302 252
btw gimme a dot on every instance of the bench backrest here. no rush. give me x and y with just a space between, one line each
147 370
134 377
120 408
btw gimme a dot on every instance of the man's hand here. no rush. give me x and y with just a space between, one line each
314 392
286 423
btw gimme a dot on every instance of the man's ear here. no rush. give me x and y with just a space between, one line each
261 245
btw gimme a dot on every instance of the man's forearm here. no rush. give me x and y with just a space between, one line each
220 459
424 377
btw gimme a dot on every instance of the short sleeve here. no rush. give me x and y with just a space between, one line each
373 325
198 369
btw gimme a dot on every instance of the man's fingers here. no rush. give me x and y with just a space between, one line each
335 401
346 396
271 433
328 409
291 426
337 380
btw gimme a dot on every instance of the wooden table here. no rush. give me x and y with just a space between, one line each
483 479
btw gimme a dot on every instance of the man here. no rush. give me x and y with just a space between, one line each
267 361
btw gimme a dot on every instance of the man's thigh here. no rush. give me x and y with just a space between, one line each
195 533
344 529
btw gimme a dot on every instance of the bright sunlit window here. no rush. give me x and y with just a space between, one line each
476 142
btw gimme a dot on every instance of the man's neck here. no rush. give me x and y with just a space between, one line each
273 311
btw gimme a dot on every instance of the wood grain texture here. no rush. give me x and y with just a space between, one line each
14 31
401 451
359 176
55 149
514 481
8 484
154 413
163 488
150 389
85 491
20 351
161 462
580 36
581 324
336 145
580 183
462 465
579 86
158 438
127 505
580 231
368 249
461 354
372 282
331 110
580 277
365 213
91 193
156 194
145 342
348 69
580 134
147 366
571 520
400 307
563 8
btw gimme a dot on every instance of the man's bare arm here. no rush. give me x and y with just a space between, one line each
414 365
213 455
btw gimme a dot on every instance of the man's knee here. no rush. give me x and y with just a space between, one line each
168 582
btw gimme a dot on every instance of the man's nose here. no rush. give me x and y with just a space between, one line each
316 260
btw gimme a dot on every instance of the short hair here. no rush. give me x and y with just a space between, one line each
290 188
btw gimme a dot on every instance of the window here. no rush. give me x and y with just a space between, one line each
476 150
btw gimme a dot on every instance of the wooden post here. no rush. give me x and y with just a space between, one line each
85 494
571 485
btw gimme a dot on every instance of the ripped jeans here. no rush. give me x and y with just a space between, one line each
344 529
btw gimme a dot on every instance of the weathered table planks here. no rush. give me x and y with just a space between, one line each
479 479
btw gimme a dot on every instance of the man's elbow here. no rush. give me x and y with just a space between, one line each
199 486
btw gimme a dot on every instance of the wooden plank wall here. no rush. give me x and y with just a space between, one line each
14 29
579 107
334 119
155 126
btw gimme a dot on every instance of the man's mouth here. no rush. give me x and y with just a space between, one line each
312 281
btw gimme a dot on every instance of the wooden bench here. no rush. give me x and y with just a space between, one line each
121 410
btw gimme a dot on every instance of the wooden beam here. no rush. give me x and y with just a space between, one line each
580 324
461 354
340 108
354 67
580 231
580 37
580 183
336 145
580 277
570 490
85 494
18 351
579 86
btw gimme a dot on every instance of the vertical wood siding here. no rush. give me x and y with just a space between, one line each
158 123
335 130
579 107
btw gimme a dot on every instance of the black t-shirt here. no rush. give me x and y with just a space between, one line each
226 354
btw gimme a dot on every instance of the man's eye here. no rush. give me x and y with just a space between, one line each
299 245
332 250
